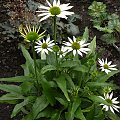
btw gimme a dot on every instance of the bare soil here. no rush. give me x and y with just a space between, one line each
11 57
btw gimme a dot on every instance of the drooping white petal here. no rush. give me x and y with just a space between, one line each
44 18
70 40
114 100
106 61
58 3
111 95
107 71
54 3
43 7
67 13
62 16
74 39
116 106
74 52
65 7
112 65
43 14
106 107
80 53
109 63
115 109
112 109
48 3
43 55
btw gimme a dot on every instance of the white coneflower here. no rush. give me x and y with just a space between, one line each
112 103
30 34
44 47
76 46
55 9
106 66
62 52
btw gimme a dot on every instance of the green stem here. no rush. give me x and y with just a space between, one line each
35 66
55 29
55 17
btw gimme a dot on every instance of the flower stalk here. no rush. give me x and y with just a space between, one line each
35 66
54 30
54 19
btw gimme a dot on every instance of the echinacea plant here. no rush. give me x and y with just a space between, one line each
112 103
44 47
106 66
55 9
76 46
61 83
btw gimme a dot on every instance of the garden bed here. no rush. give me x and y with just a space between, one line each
11 57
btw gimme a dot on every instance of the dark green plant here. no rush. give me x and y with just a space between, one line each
105 22
62 83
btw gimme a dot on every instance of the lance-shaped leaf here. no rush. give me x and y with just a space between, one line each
11 88
48 91
61 82
47 68
79 114
40 104
72 108
16 79
19 106
92 46
85 36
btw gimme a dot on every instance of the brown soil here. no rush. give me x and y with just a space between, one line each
11 57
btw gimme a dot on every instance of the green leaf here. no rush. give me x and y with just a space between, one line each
47 68
97 99
96 9
56 115
73 108
91 114
79 114
69 64
81 68
70 83
62 100
26 87
19 106
10 96
61 82
104 77
92 46
98 84
29 66
103 29
48 91
108 38
28 117
86 34
16 79
26 54
47 113
112 116
11 88
95 113
51 59
40 104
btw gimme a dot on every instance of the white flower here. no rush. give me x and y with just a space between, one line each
55 9
106 66
44 47
112 102
62 52
76 46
